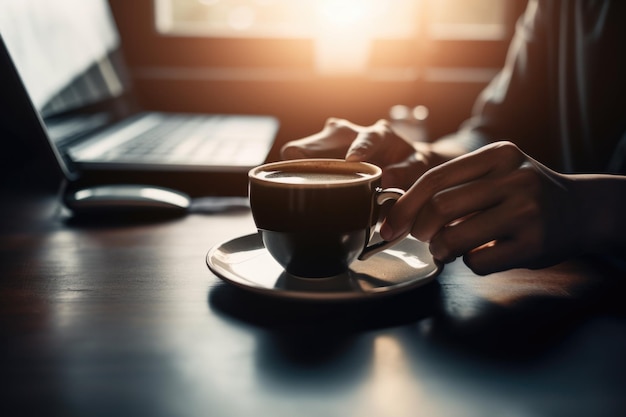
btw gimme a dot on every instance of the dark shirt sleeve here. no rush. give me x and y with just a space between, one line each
515 105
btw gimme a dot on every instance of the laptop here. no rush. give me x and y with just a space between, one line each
66 83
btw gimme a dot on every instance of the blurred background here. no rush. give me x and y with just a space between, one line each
303 61
306 60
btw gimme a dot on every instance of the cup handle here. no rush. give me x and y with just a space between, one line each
383 195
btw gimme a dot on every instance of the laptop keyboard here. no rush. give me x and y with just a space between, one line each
187 139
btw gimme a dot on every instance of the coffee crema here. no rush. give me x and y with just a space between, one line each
311 177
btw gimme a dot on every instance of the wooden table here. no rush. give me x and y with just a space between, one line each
125 319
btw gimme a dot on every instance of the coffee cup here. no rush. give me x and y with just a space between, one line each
317 216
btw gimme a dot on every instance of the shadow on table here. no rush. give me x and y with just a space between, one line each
526 327
468 341
341 317
322 347
520 331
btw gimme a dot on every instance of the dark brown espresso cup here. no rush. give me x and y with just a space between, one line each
317 216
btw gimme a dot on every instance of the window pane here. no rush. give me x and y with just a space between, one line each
466 19
343 31
286 18
456 19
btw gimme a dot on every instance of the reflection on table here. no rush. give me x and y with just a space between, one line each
125 318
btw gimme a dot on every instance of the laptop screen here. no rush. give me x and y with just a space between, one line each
61 50
67 54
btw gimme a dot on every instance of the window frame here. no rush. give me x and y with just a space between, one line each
147 48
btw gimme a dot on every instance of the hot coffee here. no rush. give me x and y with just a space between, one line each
292 177
316 216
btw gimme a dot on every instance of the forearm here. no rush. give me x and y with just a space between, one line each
600 212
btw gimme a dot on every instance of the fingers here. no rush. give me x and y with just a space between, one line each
367 143
380 145
331 142
377 144
490 207
499 256
491 161
494 257
453 204
478 236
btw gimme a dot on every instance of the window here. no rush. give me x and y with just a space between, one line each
350 36
284 18
468 19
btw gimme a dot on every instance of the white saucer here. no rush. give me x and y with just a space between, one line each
245 262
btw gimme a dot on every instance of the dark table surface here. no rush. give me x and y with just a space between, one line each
124 319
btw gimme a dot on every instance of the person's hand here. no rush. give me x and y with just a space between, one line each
402 164
496 207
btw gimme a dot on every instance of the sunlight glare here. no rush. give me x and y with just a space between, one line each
345 28
209 2
241 18
346 12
